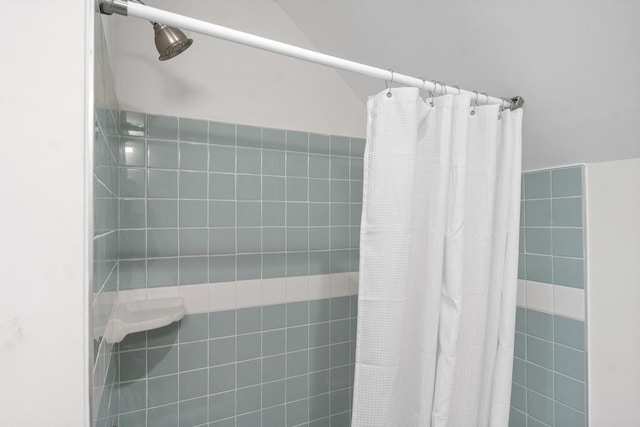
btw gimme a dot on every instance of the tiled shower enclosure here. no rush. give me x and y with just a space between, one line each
259 230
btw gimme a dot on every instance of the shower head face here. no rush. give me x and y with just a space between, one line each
170 41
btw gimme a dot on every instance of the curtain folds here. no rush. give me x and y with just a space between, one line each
438 263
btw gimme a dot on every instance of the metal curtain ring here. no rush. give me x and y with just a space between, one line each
475 104
433 92
389 94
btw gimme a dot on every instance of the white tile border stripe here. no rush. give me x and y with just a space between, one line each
553 299
569 301
223 296
540 296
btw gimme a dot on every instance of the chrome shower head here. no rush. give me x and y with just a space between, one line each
170 41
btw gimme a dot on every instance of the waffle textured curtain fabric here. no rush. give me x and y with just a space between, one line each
438 263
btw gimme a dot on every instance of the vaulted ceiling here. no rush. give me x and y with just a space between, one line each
576 63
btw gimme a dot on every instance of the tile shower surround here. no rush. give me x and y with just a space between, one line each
549 369
548 385
276 365
207 202
551 228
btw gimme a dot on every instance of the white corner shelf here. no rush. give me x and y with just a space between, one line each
135 316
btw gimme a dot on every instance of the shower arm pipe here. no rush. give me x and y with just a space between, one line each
132 8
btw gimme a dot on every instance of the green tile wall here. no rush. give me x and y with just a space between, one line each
551 227
105 233
213 202
277 365
549 369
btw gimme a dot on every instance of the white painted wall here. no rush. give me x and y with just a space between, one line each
568 59
613 318
222 81
44 347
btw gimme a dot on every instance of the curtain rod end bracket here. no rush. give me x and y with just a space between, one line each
516 102
109 7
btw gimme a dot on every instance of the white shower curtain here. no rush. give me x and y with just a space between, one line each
438 263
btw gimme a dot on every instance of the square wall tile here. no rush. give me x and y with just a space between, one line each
132 123
339 167
273 162
566 416
569 332
249 267
162 272
248 187
193 185
297 141
162 213
193 270
570 362
249 160
162 243
568 272
222 378
319 190
193 157
537 185
222 133
273 239
357 147
540 407
273 188
132 213
133 152
540 380
193 130
297 189
248 240
297 164
318 166
320 144
540 324
193 384
273 213
162 184
537 240
193 213
222 268
567 212
570 392
340 145
567 182
273 265
539 268
162 127
297 214
537 213
273 139
249 136
222 214
162 154
568 242
222 186
222 159
132 182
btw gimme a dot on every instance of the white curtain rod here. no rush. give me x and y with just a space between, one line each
132 8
